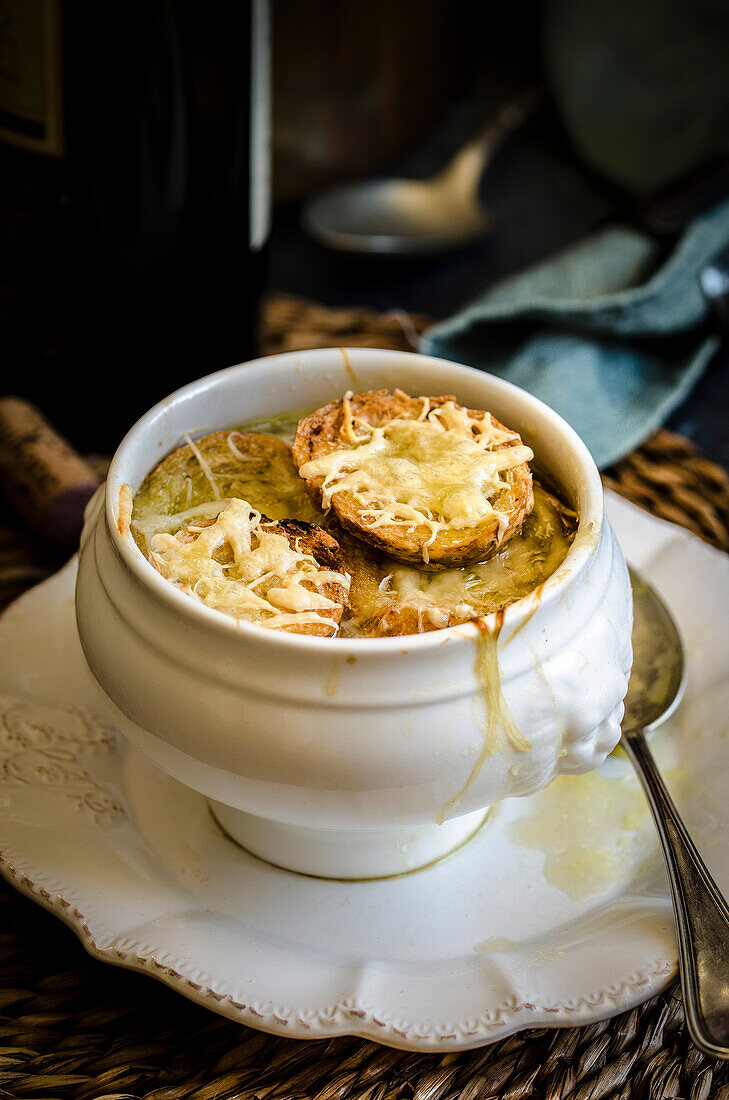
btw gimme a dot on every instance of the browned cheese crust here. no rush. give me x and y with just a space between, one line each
307 539
320 433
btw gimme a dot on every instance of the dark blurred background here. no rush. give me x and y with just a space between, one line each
126 267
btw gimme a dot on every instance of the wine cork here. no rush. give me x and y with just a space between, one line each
41 474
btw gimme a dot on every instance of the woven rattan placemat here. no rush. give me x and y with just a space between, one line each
72 1027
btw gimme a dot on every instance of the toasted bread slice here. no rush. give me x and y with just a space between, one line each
285 575
424 480
248 465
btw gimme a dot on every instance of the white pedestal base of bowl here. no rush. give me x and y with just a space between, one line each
346 854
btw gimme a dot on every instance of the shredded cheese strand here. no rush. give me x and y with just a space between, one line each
203 464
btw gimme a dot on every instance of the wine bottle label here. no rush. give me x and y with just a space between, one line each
260 142
31 94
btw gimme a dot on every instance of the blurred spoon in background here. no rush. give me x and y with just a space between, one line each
416 217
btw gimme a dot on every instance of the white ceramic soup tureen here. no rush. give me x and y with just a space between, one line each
352 757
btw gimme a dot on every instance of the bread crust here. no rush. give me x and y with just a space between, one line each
320 433
310 539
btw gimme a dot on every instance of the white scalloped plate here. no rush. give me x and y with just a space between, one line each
556 913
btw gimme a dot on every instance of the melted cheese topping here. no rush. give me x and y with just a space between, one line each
248 569
440 471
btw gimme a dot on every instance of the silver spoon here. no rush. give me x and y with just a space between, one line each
702 914
410 217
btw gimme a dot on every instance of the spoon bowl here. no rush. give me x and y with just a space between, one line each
395 217
658 679
415 217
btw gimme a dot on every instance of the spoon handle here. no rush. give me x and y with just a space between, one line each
702 914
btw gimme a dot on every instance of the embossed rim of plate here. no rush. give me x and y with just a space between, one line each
346 1018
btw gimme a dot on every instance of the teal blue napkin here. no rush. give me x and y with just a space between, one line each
608 333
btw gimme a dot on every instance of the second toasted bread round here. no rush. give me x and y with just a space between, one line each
328 430
388 598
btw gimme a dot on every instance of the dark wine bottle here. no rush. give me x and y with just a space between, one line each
134 200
